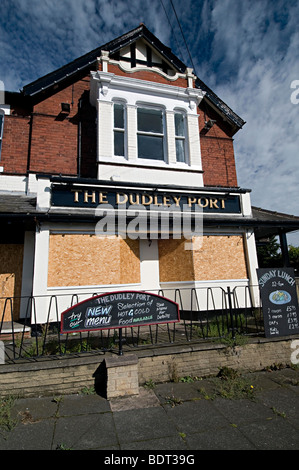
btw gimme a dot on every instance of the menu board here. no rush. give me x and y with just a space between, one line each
119 310
279 301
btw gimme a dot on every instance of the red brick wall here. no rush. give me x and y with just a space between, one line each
217 150
54 143
53 146
50 143
15 144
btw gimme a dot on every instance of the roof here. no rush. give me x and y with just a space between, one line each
85 62
219 104
269 223
17 204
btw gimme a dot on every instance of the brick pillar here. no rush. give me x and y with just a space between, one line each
122 376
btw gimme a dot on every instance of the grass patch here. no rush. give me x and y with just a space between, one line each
221 331
229 384
7 423
233 386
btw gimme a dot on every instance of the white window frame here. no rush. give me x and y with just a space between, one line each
163 135
183 138
118 129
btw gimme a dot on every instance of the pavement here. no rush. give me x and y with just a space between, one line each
261 412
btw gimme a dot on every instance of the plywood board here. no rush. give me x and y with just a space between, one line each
86 260
213 258
11 265
220 257
175 262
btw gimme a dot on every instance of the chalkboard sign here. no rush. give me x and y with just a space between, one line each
119 310
279 300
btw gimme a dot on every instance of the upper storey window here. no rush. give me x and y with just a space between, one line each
150 133
180 137
119 129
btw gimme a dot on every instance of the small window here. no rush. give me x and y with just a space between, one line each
1 129
119 129
180 133
150 133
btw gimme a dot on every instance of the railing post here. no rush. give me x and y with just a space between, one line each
231 312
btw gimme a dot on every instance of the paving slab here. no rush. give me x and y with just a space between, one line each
146 399
72 405
196 416
86 431
36 435
171 417
143 424
273 434
226 438
242 411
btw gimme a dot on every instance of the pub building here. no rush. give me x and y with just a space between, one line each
118 173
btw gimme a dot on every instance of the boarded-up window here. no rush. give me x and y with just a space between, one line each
213 258
87 260
11 265
175 263
220 257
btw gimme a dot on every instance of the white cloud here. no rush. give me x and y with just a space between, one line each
257 50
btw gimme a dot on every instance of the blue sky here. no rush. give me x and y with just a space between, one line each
247 51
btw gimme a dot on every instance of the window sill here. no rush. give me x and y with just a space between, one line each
156 164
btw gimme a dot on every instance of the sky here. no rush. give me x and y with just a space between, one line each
246 51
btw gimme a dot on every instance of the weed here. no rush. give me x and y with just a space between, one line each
226 373
205 395
173 372
229 384
57 399
188 379
233 385
62 447
173 401
220 329
149 384
238 340
6 421
88 390
274 367
279 413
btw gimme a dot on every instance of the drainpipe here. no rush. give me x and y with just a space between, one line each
79 141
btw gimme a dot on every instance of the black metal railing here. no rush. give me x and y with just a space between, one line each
205 313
